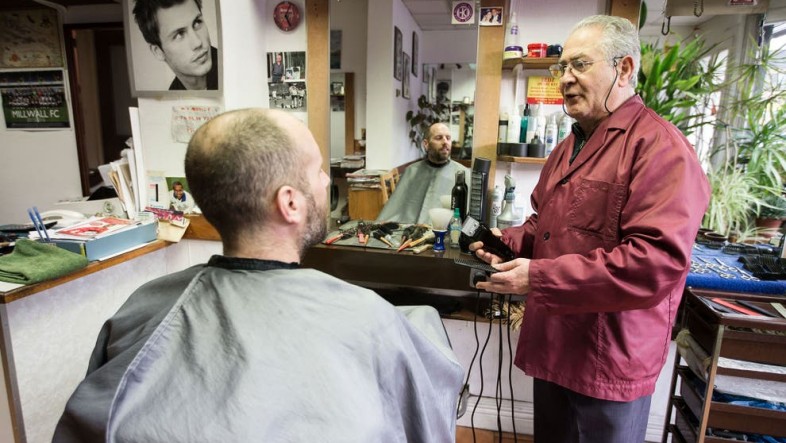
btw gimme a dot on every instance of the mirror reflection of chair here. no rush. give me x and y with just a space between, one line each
366 202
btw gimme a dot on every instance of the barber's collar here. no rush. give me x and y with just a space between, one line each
248 264
436 165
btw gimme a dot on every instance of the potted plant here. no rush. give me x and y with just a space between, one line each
771 214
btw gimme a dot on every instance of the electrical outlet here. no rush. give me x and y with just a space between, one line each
476 275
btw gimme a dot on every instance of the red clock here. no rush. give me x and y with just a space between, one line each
286 15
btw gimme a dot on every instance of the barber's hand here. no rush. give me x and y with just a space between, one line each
477 248
512 278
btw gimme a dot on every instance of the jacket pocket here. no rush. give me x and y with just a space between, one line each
595 209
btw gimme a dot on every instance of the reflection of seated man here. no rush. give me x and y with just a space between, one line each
252 347
178 35
180 199
423 183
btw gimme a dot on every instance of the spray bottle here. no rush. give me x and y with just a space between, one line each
508 216
496 206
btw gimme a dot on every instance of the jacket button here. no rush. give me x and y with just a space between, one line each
546 236
564 181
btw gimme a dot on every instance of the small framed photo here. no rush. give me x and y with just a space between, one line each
159 62
491 16
397 53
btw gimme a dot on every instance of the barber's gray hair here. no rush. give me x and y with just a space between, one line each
620 38
235 165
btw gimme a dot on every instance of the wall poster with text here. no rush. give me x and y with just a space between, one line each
34 99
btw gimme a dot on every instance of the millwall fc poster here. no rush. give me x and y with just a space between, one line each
34 99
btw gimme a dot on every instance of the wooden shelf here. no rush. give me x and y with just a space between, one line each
530 63
525 160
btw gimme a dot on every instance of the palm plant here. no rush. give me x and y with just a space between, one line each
674 82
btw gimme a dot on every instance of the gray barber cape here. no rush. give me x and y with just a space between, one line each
243 350
419 189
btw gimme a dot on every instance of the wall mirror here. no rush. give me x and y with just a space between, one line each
442 67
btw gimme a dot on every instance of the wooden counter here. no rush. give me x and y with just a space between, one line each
24 291
386 269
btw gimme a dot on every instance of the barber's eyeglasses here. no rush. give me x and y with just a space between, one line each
577 66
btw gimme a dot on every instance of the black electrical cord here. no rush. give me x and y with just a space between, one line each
474 356
480 368
510 375
498 392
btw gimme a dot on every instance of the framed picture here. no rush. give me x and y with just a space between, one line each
415 63
491 16
425 75
397 52
160 64
335 49
31 39
405 79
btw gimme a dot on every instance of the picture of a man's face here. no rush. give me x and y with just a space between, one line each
185 42
180 37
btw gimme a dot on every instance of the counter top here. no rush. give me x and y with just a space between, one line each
24 291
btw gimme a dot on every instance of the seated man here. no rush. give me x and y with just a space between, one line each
423 183
251 347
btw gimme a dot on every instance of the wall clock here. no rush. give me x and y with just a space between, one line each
286 15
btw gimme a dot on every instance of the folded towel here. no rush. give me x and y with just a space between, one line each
33 262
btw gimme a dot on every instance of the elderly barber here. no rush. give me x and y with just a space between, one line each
605 256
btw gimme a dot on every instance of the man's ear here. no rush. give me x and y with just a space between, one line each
290 204
158 53
625 68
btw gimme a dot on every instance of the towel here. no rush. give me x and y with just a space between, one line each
33 262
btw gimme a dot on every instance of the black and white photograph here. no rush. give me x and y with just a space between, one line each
173 49
398 49
288 92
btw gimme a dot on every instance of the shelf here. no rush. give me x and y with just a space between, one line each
530 63
524 160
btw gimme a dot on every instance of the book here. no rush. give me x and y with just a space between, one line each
93 228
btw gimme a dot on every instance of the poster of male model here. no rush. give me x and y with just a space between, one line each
174 49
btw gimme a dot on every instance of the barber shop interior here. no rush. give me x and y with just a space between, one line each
393 221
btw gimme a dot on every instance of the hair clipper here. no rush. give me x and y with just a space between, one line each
477 231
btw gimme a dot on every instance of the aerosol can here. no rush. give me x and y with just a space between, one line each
508 216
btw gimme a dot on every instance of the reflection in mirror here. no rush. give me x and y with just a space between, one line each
443 62
452 85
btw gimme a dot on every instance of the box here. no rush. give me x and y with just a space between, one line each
105 247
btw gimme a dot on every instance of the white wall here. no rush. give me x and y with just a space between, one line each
351 17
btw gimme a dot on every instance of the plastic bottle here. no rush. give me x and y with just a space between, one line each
458 196
454 228
512 47
507 217
541 119
532 124
496 206
502 135
514 126
564 128
551 135
524 122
